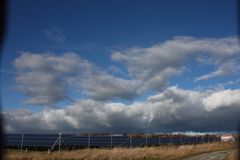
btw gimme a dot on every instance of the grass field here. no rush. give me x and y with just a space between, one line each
232 156
151 153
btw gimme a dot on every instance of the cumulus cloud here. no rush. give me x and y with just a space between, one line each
175 109
166 59
41 76
46 77
222 98
216 73
103 87
224 67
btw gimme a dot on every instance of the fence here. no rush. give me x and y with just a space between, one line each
70 141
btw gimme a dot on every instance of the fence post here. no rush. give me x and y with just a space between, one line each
22 142
130 141
159 139
111 141
89 140
184 139
146 141
59 146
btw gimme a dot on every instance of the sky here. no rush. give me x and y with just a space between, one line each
121 66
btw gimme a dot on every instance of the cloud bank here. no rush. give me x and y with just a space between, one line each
47 79
175 109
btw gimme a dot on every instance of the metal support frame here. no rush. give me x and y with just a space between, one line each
146 141
180 139
130 141
59 144
58 141
159 140
89 140
22 142
111 141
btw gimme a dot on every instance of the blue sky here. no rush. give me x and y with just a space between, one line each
107 39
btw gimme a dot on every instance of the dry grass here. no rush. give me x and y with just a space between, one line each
151 153
232 156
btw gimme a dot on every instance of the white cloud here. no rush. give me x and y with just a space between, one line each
224 67
103 87
41 76
174 109
149 63
46 77
223 98
216 73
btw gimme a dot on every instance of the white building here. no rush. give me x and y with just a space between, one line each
227 138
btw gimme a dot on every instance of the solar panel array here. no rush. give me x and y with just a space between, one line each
71 141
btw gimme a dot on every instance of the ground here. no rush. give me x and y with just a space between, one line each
215 151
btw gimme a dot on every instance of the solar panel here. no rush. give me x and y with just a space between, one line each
47 140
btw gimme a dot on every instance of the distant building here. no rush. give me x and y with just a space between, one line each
227 138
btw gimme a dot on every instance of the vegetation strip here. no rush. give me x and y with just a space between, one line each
151 153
